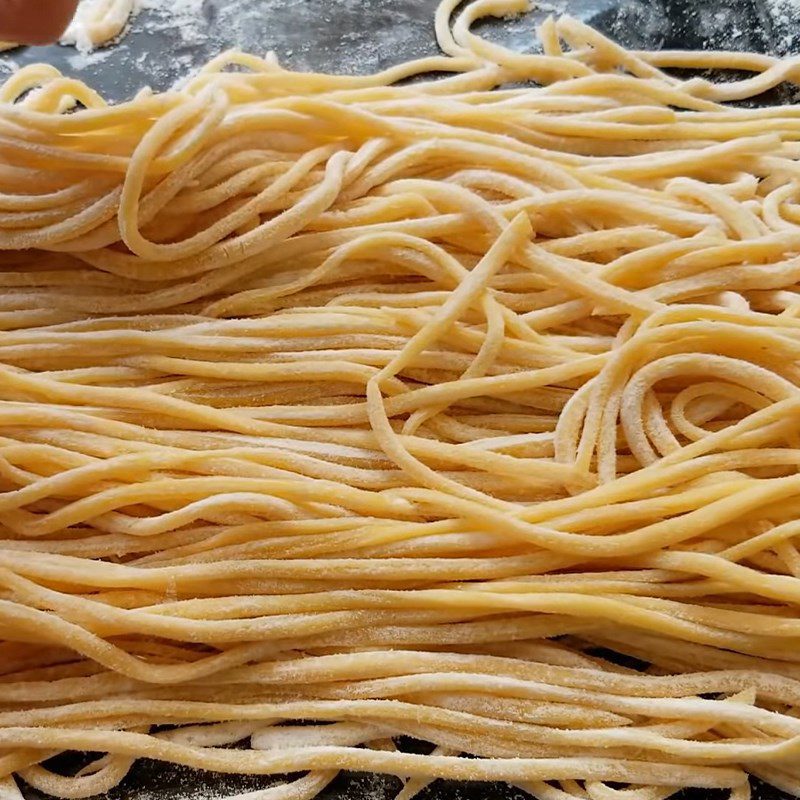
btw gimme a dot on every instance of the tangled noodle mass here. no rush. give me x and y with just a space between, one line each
335 410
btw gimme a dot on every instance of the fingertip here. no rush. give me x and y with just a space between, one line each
35 22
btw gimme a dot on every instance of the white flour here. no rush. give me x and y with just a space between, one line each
785 15
185 16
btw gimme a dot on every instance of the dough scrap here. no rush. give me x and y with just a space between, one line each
98 22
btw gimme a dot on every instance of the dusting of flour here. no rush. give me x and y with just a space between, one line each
785 18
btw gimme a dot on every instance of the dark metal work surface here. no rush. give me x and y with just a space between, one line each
361 36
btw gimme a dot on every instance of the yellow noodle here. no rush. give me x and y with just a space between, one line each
380 408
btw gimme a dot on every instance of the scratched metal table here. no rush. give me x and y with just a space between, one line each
360 36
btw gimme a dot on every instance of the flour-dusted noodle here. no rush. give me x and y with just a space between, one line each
336 410
98 22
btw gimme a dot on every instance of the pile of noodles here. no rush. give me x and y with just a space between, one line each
338 410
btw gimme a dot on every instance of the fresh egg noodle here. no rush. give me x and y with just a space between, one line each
338 410
98 22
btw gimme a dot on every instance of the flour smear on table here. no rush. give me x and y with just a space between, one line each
785 16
